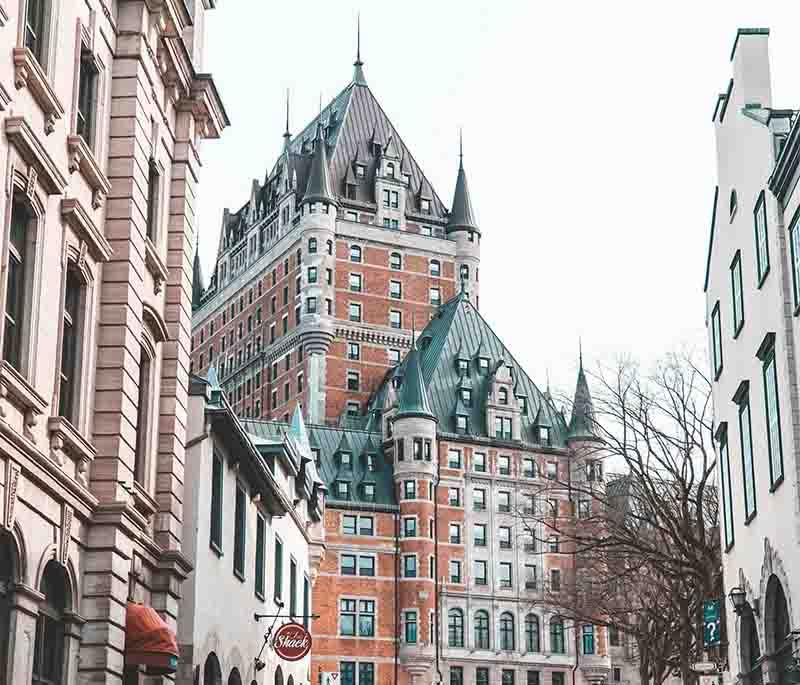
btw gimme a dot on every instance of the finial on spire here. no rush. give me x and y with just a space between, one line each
460 146
547 372
413 331
358 72
580 353
286 133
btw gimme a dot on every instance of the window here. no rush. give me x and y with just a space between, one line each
342 490
410 627
395 319
153 188
454 497
355 253
502 427
353 351
794 244
481 577
355 283
347 564
435 296
466 397
530 570
479 462
725 479
278 568
746 439
357 617
410 566
354 310
366 673
353 408
216 502
505 574
507 632
455 571
395 261
292 588
482 630
87 98
613 637
462 423
455 628
454 459
410 489
479 499
435 267
457 675
551 470
240 527
773 416
507 677
555 580
395 290
410 527
503 501
528 467
18 282
352 380
70 347
311 308
48 650
504 465
479 534
312 245
425 206
616 674
736 293
504 535
394 356
312 274
557 677
587 639
483 364
533 678
556 635
502 396
260 555
762 247
455 533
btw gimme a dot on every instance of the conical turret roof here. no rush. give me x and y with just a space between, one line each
462 215
318 188
413 394
197 279
581 424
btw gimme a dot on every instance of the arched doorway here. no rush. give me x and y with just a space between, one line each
212 673
8 575
778 626
48 649
750 651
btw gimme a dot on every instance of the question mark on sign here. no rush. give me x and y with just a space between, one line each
712 629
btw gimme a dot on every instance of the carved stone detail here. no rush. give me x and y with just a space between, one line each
13 475
57 448
30 184
82 472
66 533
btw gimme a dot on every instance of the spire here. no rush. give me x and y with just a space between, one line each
358 73
462 215
413 394
197 276
581 424
297 429
318 188
286 135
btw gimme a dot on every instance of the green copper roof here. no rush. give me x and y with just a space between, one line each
462 215
297 429
413 395
581 425
456 328
318 188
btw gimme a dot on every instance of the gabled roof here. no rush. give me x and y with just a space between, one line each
457 323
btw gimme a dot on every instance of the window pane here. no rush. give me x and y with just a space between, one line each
747 459
773 421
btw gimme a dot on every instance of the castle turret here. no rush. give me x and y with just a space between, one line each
415 468
581 423
197 279
462 226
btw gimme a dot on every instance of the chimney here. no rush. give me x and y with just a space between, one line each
751 77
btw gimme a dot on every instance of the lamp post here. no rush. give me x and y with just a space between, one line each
738 600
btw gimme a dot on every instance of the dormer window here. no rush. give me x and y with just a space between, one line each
342 489
361 171
407 179
345 460
502 395
425 206
371 462
483 364
462 365
315 453
502 427
543 435
369 492
390 170
522 403
462 423
466 397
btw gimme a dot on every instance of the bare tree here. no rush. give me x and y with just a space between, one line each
644 546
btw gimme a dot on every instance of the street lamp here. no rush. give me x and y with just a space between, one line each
738 599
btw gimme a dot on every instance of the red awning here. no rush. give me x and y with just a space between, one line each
149 641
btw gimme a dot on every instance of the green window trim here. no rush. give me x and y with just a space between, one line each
240 531
725 483
742 398
737 297
716 341
278 588
761 238
216 504
772 411
260 556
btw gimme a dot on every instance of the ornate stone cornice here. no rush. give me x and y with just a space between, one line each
81 157
375 336
156 265
78 217
35 154
29 74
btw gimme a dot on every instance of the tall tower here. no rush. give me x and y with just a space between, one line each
462 226
413 428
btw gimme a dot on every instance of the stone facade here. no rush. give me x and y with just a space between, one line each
751 289
103 106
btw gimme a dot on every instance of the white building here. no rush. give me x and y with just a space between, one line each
253 529
752 302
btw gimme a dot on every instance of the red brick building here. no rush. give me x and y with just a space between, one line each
433 453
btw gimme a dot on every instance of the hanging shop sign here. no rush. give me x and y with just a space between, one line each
291 642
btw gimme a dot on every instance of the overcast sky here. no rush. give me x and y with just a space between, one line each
588 143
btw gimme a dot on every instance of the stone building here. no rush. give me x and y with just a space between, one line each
431 451
752 289
103 105
253 504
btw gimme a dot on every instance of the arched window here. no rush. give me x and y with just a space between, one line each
750 651
48 650
777 638
436 267
355 253
455 628
290 681
212 673
19 283
278 676
312 245
507 632
234 678
71 347
532 633
502 395
7 577
557 635
390 169
481 629
464 272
